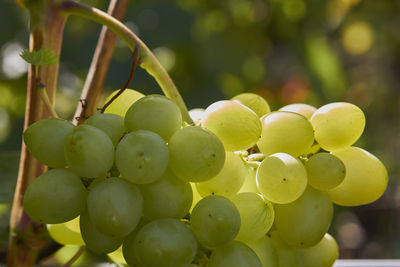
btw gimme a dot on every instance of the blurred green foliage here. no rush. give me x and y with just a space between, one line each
311 51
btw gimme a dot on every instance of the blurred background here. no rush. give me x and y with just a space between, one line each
289 51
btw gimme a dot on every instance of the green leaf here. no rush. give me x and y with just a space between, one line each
41 57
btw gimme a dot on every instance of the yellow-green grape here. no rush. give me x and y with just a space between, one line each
237 126
73 225
94 239
117 256
287 256
56 196
281 178
265 250
142 157
45 141
286 132
215 221
169 197
304 222
196 196
154 113
165 243
256 216
63 235
115 207
323 254
129 244
325 171
254 102
89 151
250 183
365 181
233 174
313 149
197 115
338 125
302 109
123 102
234 254
111 124
196 154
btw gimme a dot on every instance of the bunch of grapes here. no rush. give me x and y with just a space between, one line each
242 186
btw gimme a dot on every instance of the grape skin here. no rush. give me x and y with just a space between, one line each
142 157
196 154
237 126
215 221
56 196
89 151
45 141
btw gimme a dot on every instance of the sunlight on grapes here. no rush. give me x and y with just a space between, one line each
357 38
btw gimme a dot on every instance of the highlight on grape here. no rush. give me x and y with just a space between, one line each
241 186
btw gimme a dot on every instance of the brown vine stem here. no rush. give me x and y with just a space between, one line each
149 61
135 62
26 236
99 66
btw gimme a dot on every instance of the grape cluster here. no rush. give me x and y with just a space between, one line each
242 186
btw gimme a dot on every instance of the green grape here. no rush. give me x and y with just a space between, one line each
169 196
164 243
45 141
115 206
196 154
73 225
234 254
95 240
325 171
215 221
196 196
287 256
111 124
142 157
89 152
237 126
265 250
56 196
63 235
304 222
123 102
286 132
250 183
338 125
129 244
256 216
154 113
323 254
281 178
117 256
254 102
302 109
365 181
233 173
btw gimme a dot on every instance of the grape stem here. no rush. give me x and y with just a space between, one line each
135 61
43 95
149 63
99 66
75 256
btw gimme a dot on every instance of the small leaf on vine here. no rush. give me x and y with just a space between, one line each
41 57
